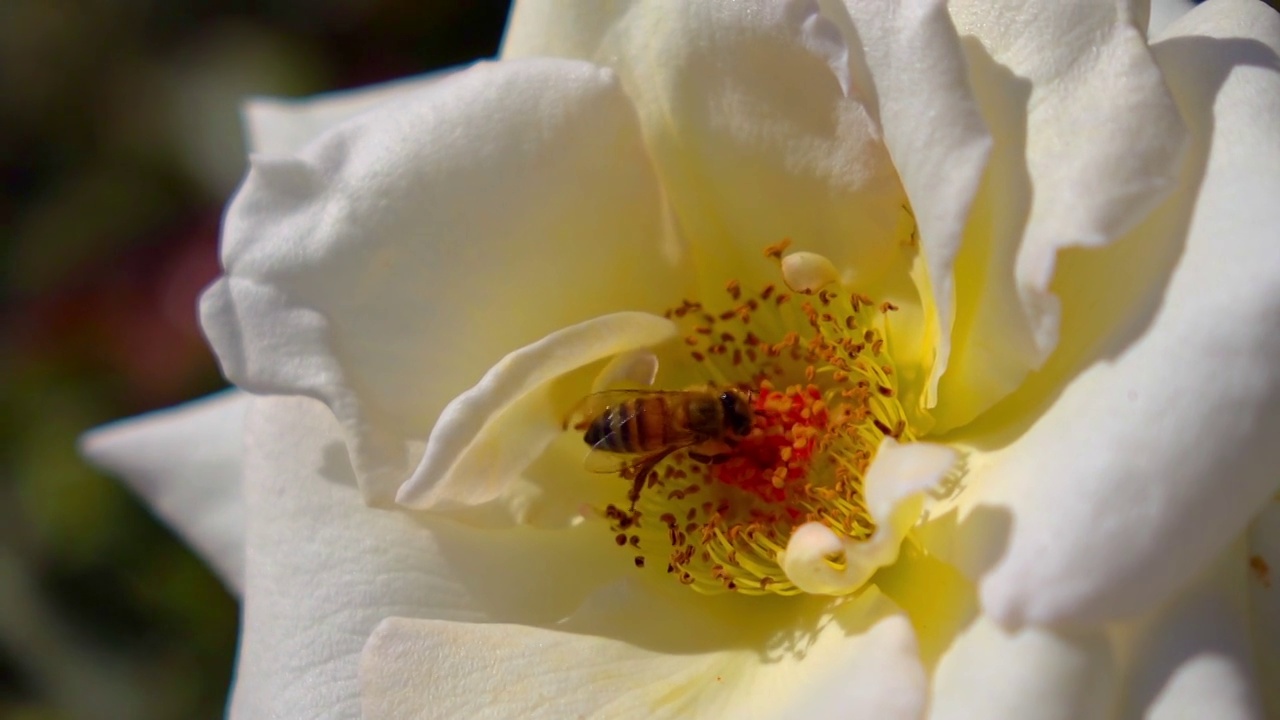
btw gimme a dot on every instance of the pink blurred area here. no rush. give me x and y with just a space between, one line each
131 316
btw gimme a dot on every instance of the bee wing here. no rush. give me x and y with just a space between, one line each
603 461
593 406
600 460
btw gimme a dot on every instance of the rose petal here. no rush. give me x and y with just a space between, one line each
1096 95
917 70
466 432
279 126
896 480
755 125
1194 657
407 250
1164 13
416 668
1264 601
1173 429
1066 89
186 463
989 672
323 569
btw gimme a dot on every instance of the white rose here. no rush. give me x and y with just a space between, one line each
1038 503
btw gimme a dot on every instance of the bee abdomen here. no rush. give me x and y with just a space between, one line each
598 430
630 427
608 431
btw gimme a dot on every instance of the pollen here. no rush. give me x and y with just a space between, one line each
819 374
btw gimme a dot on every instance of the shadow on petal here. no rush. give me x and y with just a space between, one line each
939 600
1110 296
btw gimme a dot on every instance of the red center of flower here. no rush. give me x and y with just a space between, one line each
786 429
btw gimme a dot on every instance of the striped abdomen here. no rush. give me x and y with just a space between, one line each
639 425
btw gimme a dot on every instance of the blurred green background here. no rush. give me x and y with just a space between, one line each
119 145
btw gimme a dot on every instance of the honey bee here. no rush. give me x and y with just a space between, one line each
631 431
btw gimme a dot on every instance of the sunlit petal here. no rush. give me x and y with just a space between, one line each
186 462
324 569
918 73
867 664
1067 88
467 431
755 124
357 271
278 126
1156 456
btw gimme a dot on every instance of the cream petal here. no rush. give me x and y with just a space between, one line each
1066 88
634 368
280 126
936 135
1173 427
864 658
186 462
755 125
1264 601
394 259
323 569
1194 657
895 483
989 672
467 432
1164 13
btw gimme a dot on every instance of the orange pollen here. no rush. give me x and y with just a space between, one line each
823 393
785 429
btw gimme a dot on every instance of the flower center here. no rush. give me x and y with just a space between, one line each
822 391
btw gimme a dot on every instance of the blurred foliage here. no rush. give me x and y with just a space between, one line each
119 144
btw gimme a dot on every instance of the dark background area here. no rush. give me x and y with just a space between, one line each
119 145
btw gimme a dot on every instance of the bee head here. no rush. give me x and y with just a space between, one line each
737 412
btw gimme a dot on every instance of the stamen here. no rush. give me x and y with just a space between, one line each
757 514
807 273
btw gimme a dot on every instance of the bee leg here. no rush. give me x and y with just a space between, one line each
637 485
716 459
643 470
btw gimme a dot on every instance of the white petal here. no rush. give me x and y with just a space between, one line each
1173 426
895 483
467 433
864 659
935 133
404 252
323 569
755 125
1067 88
634 368
1264 601
1194 657
278 126
989 672
1164 13
186 463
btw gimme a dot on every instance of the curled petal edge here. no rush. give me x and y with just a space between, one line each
462 427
